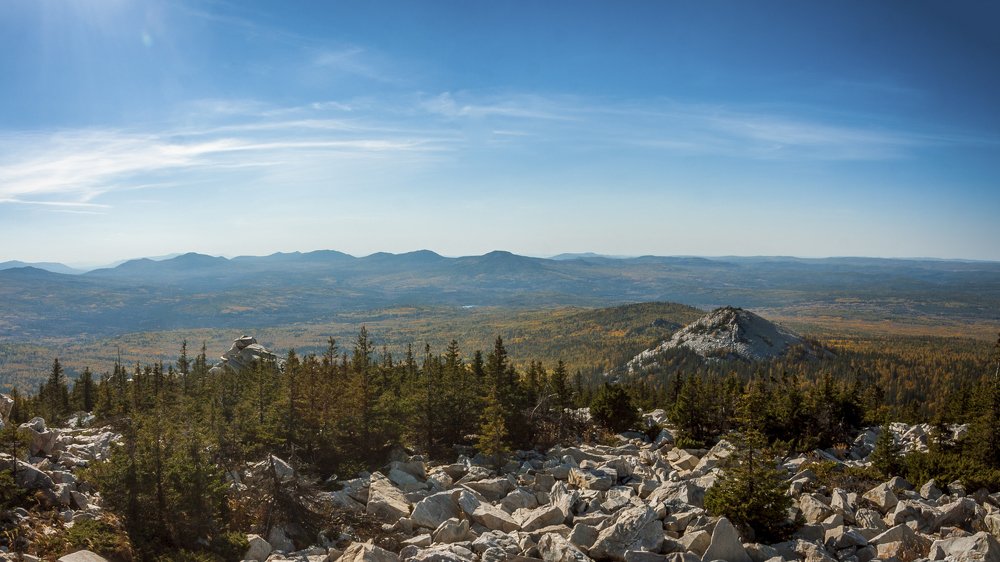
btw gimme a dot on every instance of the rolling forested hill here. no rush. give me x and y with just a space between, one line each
197 291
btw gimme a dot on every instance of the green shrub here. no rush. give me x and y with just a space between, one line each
11 495
612 408
230 545
101 537
849 478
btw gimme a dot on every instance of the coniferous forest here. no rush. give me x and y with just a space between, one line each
186 432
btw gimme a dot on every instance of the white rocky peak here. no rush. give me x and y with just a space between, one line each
728 333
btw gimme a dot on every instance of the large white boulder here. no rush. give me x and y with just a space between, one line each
257 548
726 544
634 528
486 514
554 548
41 440
980 547
435 509
385 501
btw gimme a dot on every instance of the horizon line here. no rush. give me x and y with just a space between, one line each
86 267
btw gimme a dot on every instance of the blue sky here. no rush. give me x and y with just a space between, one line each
143 127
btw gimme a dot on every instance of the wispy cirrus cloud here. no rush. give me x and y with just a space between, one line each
351 60
72 168
511 106
767 133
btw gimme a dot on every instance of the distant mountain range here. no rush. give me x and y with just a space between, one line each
195 290
47 266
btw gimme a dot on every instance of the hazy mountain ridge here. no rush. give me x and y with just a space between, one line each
194 290
47 266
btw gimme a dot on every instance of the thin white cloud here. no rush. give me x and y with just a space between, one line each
519 107
75 167
352 60
77 212
331 104
689 128
74 204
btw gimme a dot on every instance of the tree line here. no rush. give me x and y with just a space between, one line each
187 432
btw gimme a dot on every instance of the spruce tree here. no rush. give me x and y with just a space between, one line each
494 439
886 457
84 393
751 492
689 412
54 395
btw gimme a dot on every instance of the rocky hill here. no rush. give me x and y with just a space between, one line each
729 333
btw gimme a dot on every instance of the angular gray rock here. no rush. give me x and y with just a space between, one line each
41 440
257 548
696 541
715 456
520 498
405 481
554 548
726 544
583 536
435 509
958 513
634 528
485 514
900 542
979 547
593 479
367 552
451 531
6 404
869 519
442 553
496 539
684 491
682 557
813 508
492 488
839 538
420 541
30 478
682 460
563 498
882 497
385 501
930 491
534 519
